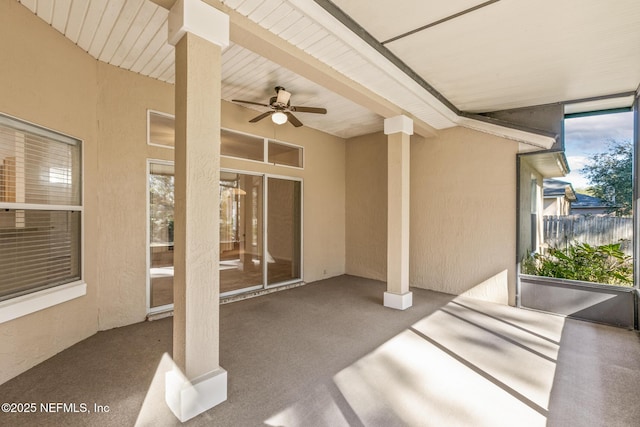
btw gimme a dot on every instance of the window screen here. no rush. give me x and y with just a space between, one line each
41 201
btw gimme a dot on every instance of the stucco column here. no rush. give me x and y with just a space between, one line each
197 383
399 130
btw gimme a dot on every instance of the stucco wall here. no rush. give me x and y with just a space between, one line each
463 212
123 100
463 215
366 177
37 86
46 79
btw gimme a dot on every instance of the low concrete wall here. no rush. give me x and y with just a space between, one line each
581 300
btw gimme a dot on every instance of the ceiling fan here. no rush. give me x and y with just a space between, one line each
281 109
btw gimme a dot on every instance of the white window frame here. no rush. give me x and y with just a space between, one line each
22 305
265 142
159 113
166 307
265 150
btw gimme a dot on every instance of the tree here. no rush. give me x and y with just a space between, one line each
161 203
610 176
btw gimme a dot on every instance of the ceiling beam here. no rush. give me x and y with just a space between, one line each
439 21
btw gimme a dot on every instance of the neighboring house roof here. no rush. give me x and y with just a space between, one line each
558 188
584 201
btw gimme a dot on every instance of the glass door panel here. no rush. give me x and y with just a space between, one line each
241 231
161 199
283 230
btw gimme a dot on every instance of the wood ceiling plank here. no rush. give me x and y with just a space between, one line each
166 51
166 64
61 15
157 42
83 21
156 24
233 3
276 16
134 32
248 6
45 10
32 5
120 28
264 10
76 20
104 28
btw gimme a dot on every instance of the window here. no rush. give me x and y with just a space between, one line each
242 146
160 129
161 202
161 132
285 154
41 208
249 147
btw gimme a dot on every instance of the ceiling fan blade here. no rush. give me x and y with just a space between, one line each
309 110
250 102
260 117
293 119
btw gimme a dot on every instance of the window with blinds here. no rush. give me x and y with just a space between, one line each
40 208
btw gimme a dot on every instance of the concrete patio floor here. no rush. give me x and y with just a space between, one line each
329 354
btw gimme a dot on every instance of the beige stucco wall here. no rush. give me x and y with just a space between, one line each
366 179
37 86
123 100
463 212
46 79
463 215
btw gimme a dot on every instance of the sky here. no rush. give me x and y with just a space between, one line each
585 136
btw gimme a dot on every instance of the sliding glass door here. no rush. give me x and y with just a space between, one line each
260 233
160 251
283 231
254 256
241 232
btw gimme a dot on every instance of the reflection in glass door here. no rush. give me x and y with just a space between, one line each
241 232
283 230
161 201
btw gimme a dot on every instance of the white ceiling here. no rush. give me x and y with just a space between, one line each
514 53
508 54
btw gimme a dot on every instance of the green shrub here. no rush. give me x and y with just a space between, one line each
605 264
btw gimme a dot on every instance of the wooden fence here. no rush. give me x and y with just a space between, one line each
561 231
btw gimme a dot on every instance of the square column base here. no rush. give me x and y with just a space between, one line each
398 301
186 399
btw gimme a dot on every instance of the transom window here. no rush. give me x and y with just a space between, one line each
160 132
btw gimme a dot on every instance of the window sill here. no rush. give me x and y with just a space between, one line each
30 303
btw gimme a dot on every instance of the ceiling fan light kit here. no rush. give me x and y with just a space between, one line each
281 109
279 118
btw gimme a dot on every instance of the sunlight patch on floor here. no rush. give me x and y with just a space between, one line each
154 402
459 366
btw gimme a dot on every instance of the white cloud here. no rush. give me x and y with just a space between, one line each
576 179
577 162
591 134
585 136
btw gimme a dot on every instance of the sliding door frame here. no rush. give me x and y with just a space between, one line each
265 235
166 307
